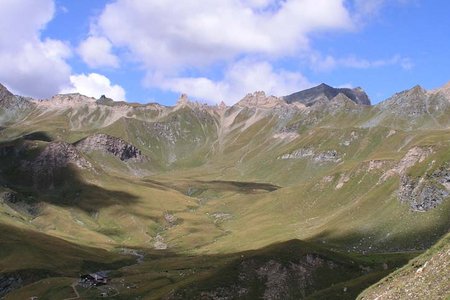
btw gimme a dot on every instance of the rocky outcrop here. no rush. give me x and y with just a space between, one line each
15 280
410 103
17 202
9 282
59 155
413 156
325 156
159 243
13 107
64 101
348 141
50 167
427 192
325 93
8 197
259 99
267 278
277 277
111 145
416 102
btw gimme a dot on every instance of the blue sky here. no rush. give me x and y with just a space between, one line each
152 51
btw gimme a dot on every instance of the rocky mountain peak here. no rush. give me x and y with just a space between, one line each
324 92
105 100
4 92
222 105
446 86
62 101
445 90
183 100
260 99
6 97
417 89
13 107
412 103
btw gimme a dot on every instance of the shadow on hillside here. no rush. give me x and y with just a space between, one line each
195 188
62 186
28 256
291 270
305 268
416 239
38 136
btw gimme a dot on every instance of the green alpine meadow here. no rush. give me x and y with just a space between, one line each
314 195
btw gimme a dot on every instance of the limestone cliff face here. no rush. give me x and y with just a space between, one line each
111 145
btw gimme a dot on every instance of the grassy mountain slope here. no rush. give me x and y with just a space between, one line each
218 183
426 276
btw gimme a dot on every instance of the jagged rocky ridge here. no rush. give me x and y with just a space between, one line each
111 145
13 107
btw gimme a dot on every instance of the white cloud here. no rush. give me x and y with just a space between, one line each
346 86
169 38
239 79
94 85
29 65
327 63
364 10
97 52
176 35
258 4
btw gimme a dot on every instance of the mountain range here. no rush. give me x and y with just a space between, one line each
314 195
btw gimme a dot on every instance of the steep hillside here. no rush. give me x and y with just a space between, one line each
425 277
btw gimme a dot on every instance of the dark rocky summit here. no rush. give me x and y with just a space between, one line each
325 92
112 145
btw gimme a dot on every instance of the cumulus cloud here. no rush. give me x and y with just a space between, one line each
239 79
30 65
180 34
94 85
170 38
97 52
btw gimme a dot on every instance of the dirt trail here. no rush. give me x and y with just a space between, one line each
73 286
